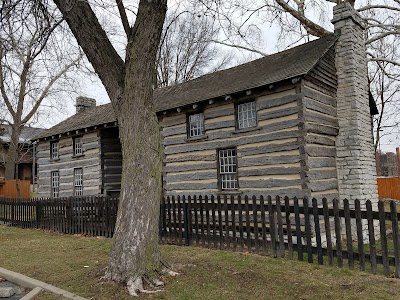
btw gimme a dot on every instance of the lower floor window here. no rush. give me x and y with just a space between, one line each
228 169
78 182
55 184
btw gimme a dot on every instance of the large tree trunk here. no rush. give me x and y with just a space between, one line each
130 86
135 246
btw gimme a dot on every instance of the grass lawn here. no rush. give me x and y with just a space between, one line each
75 264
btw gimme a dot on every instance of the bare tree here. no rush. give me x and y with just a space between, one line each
129 83
386 91
32 67
187 49
296 21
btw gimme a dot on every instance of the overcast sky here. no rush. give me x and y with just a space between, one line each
92 87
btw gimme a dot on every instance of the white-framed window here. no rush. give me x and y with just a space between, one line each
54 150
247 115
227 161
196 125
55 184
78 182
77 142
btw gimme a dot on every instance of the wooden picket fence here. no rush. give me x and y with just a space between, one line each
328 232
94 216
389 188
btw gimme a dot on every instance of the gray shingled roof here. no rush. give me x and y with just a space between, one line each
266 70
283 65
27 133
92 116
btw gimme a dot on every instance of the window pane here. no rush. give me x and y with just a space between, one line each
54 150
78 146
78 182
196 125
55 184
247 115
227 169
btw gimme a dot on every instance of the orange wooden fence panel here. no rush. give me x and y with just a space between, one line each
9 189
389 188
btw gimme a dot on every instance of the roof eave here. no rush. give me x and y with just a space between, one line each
235 92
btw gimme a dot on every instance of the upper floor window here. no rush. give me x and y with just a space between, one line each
54 150
196 125
247 115
55 184
227 162
78 150
78 182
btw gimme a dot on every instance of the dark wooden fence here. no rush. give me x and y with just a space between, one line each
327 232
93 216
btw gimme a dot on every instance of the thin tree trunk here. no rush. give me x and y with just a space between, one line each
12 153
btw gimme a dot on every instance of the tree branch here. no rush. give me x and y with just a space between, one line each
124 18
47 88
381 36
2 88
311 27
95 43
369 7
240 47
393 62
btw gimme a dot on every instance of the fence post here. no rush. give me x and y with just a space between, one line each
395 234
186 213
68 214
12 213
38 211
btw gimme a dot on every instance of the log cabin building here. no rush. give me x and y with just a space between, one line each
295 123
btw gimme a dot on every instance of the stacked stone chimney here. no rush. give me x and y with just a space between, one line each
354 145
83 103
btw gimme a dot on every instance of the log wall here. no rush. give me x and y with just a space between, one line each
111 161
321 128
65 164
269 159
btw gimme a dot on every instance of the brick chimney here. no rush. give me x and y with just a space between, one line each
84 102
354 146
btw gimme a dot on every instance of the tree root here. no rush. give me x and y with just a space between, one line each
136 285
167 269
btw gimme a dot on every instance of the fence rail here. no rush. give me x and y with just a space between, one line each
327 232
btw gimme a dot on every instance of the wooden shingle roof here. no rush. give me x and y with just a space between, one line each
283 65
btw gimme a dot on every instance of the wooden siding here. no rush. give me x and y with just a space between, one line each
389 188
269 159
111 160
321 128
8 189
89 162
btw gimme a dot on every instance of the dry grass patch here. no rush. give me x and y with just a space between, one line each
75 263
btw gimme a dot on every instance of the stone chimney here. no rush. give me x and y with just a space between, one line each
354 146
84 102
